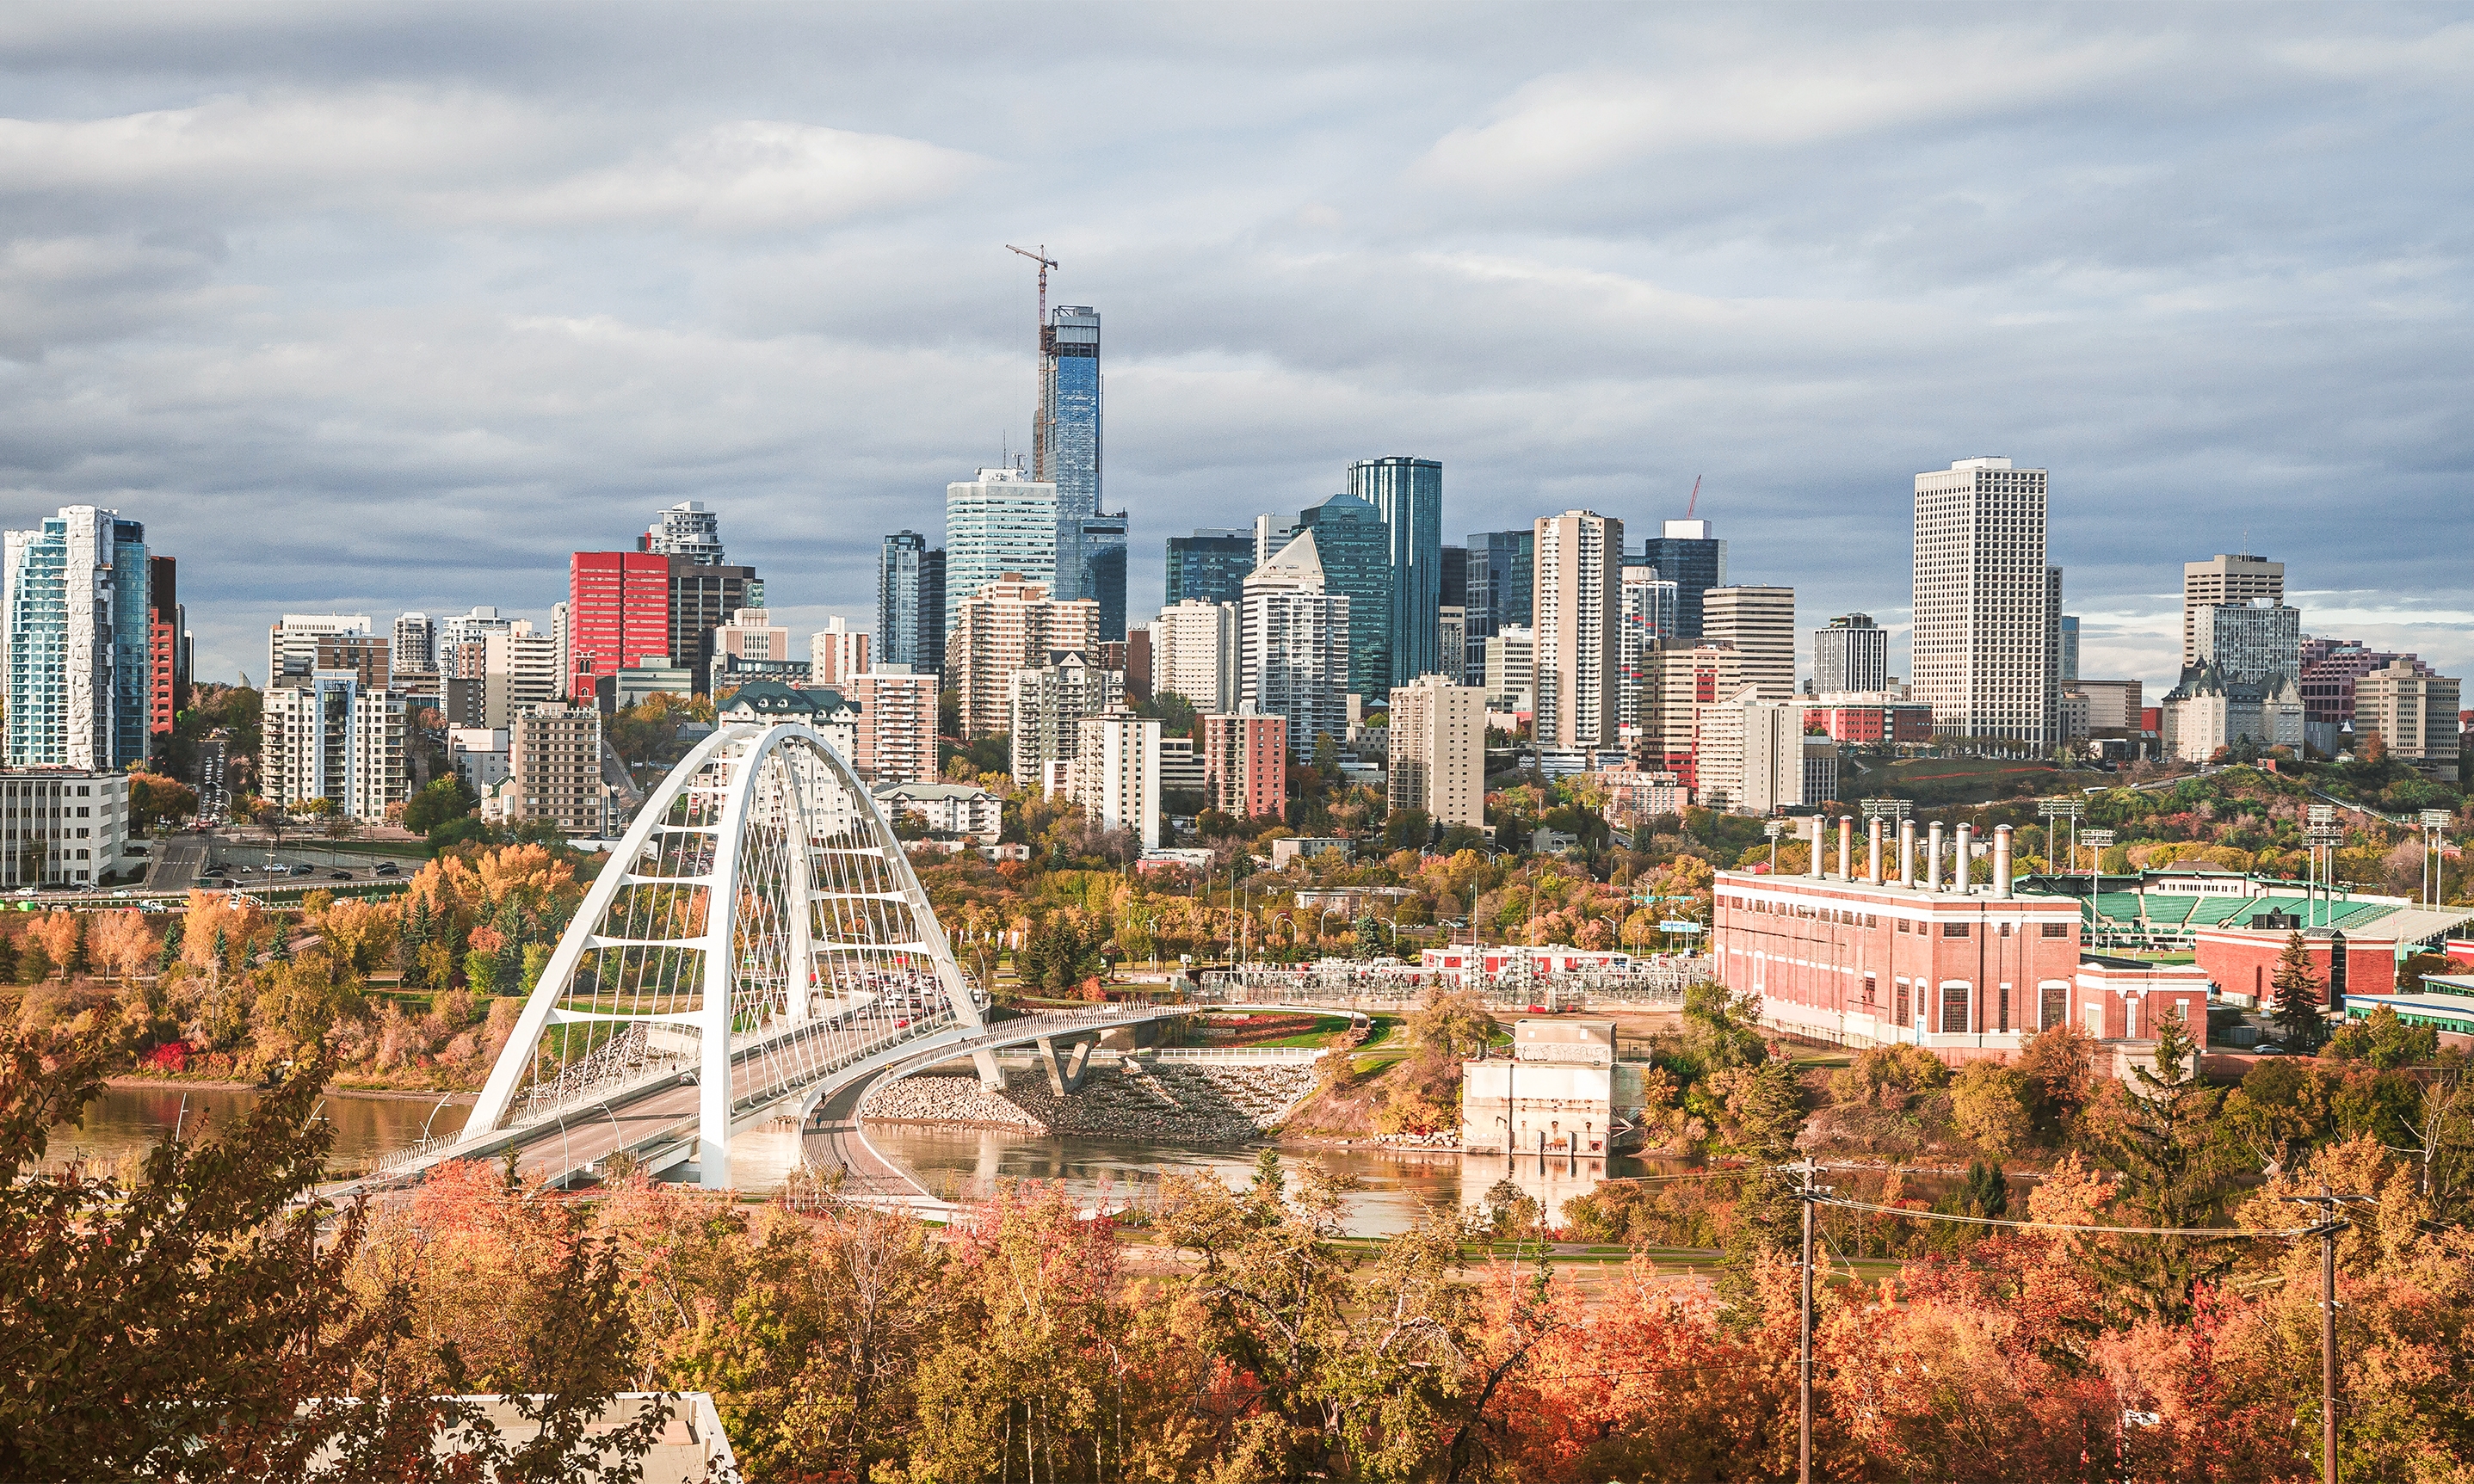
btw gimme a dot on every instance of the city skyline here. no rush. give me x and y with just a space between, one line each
417 307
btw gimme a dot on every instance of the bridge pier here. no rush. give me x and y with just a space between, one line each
992 1077
1067 1076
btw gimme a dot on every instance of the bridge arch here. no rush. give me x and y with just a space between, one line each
758 927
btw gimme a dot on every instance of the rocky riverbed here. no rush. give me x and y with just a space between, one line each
1177 1101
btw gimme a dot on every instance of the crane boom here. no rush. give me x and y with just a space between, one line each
1696 497
1039 412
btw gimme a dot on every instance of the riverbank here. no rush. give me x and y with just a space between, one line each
1185 1103
205 1084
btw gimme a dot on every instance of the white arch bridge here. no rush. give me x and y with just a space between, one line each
757 950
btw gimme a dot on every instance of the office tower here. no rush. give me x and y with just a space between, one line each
1686 555
1980 604
1353 548
1117 774
1749 755
292 640
1451 640
2412 714
834 654
1003 521
364 654
1407 493
1497 592
897 724
1006 625
1246 763
2055 729
1852 654
456 630
703 597
81 664
1070 441
1509 674
1578 614
1438 745
1649 609
167 689
2330 669
2069 664
1682 682
62 826
554 767
519 673
909 602
686 531
1194 653
1293 653
1455 592
1103 572
1759 623
617 616
1210 565
2236 578
1270 534
1048 701
416 640
751 633
2253 643
326 736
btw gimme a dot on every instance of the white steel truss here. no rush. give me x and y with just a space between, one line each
758 928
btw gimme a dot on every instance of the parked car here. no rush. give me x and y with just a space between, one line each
151 905
385 868
122 892
304 871
339 876
28 891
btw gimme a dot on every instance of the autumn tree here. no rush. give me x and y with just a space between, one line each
123 942
2294 993
2157 1134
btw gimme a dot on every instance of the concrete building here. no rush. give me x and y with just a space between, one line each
1246 763
1852 654
1451 638
835 655
2255 643
1510 677
1005 624
64 827
1886 952
1869 718
554 767
1437 752
365 655
480 753
167 682
1748 756
963 810
518 673
1686 555
1194 650
1497 586
2210 710
897 725
292 640
1294 647
617 614
1759 624
1982 600
1117 774
2330 668
1579 618
1562 1092
2413 713
1683 682
751 633
326 736
686 531
910 603
1639 797
702 596
1820 771
1001 525
1049 701
415 650
2223 579
1649 620
1181 767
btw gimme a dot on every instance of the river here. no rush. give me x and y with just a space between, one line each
132 1117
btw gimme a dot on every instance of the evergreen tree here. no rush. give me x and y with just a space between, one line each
2159 1140
2296 997
1983 1193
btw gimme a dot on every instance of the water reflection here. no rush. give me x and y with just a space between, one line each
130 1120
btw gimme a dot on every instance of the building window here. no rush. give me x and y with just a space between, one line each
1899 988
2057 929
1953 929
1953 1008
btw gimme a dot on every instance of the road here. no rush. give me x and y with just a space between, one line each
175 862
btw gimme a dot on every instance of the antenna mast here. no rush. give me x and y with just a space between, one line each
1039 418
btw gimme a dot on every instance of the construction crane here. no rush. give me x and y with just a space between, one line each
1687 504
1039 429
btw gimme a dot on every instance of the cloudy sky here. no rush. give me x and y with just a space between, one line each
380 309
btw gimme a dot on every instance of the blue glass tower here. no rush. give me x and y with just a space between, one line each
1408 495
1688 556
1500 584
1070 435
1354 545
80 664
1103 572
1210 565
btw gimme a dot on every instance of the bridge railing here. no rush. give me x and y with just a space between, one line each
1297 1056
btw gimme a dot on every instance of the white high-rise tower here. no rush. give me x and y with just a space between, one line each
1982 596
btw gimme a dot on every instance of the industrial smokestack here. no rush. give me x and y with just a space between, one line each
1818 823
1962 869
1846 848
1933 857
1907 852
1872 849
2002 861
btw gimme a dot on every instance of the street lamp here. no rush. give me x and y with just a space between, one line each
2096 840
2057 810
2434 848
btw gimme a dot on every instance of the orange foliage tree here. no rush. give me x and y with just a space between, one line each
123 942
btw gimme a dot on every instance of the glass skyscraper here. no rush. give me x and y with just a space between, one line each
910 603
1685 555
1002 521
81 670
1070 437
1210 565
1354 543
1407 493
1498 590
1103 572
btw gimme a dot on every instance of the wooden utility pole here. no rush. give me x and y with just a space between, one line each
1810 1196
2332 1221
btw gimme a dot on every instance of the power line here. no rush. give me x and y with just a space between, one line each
2215 1234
